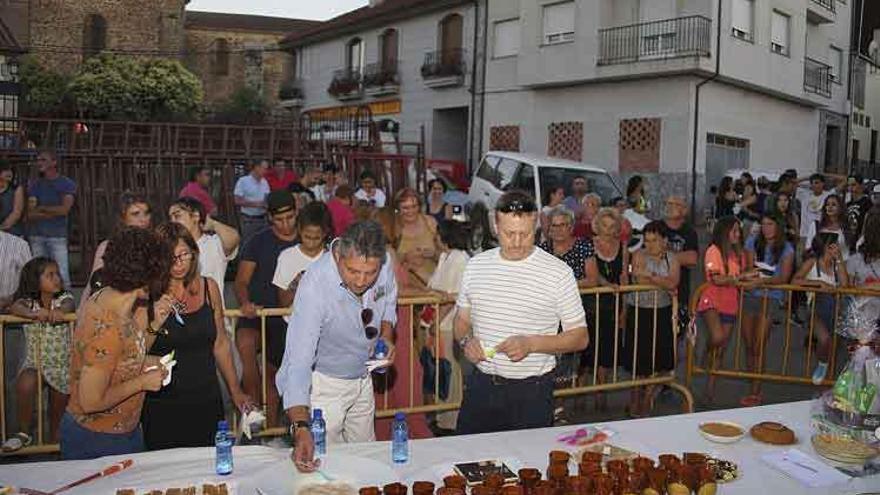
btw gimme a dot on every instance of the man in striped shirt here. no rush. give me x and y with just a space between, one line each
510 306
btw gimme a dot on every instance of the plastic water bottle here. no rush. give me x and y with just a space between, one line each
223 444
319 433
381 352
400 439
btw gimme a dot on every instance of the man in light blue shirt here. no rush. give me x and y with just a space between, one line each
344 302
250 196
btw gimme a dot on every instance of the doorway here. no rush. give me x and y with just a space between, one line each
449 134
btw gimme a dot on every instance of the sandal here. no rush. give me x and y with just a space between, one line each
751 400
17 442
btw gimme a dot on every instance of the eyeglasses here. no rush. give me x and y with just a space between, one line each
182 257
518 206
370 331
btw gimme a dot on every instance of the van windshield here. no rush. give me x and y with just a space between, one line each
597 182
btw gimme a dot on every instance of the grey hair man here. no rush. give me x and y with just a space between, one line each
345 302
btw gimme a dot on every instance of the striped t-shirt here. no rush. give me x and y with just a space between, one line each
526 297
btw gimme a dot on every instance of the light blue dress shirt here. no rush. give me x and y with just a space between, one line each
252 190
326 334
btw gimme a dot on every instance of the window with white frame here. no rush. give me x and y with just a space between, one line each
835 59
506 35
559 23
743 22
779 35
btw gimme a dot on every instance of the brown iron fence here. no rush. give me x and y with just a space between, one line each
414 339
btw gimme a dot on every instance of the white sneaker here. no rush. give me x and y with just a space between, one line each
17 442
819 373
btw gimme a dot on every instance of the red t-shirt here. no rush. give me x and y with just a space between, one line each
342 215
277 183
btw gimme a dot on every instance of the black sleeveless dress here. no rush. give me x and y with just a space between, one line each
611 272
185 413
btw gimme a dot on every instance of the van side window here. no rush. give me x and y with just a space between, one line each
525 180
487 170
507 169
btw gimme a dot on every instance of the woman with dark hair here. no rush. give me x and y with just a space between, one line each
109 369
649 342
482 236
437 206
772 256
635 194
11 200
863 268
719 302
725 200
218 243
832 221
824 267
185 412
782 208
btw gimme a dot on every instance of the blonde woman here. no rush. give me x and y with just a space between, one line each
607 268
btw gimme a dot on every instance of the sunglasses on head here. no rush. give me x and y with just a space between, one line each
518 206
370 331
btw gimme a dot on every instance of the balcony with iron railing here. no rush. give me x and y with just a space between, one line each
382 78
817 77
346 84
672 38
444 68
821 11
290 94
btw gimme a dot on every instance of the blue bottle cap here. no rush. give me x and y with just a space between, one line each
399 416
381 347
317 414
223 425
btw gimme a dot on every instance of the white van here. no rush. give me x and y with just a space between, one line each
502 171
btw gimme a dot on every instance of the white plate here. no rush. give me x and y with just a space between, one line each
282 478
720 439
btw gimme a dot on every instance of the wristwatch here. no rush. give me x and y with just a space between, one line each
295 426
463 342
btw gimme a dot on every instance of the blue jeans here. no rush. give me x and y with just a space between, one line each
55 248
80 443
492 403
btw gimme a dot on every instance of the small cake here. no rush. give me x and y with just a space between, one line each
773 433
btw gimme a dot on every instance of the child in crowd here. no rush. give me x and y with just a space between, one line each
368 191
41 297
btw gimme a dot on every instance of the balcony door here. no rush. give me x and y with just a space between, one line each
451 35
389 47
354 57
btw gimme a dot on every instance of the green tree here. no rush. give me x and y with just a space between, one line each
124 87
44 92
246 105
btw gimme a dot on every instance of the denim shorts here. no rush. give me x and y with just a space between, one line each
80 443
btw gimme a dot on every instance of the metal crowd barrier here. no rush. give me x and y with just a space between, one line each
790 369
408 305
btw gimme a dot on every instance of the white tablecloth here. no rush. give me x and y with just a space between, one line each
371 463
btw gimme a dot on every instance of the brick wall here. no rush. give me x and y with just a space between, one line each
57 28
258 68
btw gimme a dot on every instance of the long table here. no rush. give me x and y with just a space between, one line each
271 471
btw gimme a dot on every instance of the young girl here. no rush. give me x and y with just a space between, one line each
833 221
770 248
314 228
823 268
719 302
781 207
41 297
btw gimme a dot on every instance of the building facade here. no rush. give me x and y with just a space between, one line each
653 87
225 51
412 62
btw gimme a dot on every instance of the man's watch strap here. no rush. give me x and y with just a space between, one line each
297 425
